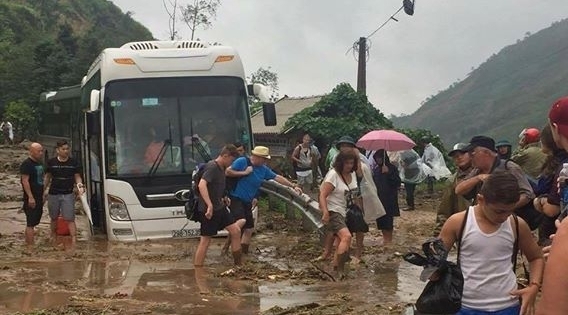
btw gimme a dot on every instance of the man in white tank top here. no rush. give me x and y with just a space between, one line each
487 242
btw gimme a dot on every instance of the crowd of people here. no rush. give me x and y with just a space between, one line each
483 208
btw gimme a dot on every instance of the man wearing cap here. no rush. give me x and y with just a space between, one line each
486 161
504 149
555 280
243 197
452 203
348 142
529 155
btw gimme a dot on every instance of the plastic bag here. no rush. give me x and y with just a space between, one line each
355 220
435 160
442 296
412 169
372 205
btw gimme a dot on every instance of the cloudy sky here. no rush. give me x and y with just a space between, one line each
305 41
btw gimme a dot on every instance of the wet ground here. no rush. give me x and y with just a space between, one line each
158 277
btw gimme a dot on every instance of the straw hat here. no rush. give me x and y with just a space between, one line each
261 151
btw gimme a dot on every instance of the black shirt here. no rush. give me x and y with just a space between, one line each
215 177
62 175
35 172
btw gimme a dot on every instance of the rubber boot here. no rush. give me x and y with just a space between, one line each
237 257
245 248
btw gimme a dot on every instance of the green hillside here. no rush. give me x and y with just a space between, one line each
510 91
50 43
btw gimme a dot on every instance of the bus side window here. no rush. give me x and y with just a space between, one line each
94 123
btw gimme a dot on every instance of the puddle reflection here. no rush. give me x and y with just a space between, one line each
191 290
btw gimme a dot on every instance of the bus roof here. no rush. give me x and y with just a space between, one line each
176 58
61 94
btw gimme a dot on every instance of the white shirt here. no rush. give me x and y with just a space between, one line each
485 261
337 199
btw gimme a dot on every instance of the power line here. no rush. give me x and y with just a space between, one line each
392 17
385 23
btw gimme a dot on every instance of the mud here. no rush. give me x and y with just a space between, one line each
158 277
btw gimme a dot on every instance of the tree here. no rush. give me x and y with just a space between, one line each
200 14
268 78
23 119
171 8
343 112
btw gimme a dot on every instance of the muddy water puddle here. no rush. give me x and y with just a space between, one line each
182 289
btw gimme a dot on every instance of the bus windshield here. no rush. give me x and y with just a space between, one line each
167 126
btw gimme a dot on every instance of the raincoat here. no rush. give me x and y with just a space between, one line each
412 169
435 160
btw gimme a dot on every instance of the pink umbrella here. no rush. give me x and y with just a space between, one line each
389 140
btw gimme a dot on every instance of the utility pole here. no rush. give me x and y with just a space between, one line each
362 69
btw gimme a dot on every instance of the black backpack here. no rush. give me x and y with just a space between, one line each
528 212
192 203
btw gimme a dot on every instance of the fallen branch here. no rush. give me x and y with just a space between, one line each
323 271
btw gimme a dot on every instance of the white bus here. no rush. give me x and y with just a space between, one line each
153 111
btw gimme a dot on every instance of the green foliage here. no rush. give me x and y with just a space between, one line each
23 119
50 43
200 14
342 112
511 91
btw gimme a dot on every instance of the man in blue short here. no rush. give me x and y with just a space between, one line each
243 197
62 174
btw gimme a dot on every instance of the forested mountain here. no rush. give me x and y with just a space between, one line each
46 44
510 91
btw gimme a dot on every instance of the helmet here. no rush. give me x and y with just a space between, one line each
530 135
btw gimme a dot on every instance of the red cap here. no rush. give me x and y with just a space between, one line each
558 115
531 135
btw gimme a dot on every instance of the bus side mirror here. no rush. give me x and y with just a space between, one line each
93 123
95 100
269 113
260 91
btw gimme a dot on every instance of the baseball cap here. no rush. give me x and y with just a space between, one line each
459 147
345 140
503 143
481 141
558 115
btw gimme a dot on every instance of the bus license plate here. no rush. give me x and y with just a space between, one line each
185 233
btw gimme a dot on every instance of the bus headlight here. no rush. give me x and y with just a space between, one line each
117 209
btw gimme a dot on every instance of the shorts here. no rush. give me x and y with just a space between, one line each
336 222
305 177
513 310
221 219
33 215
63 204
386 222
242 210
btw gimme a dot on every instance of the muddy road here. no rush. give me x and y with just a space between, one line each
158 277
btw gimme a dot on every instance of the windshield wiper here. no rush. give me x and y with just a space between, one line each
159 158
195 141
